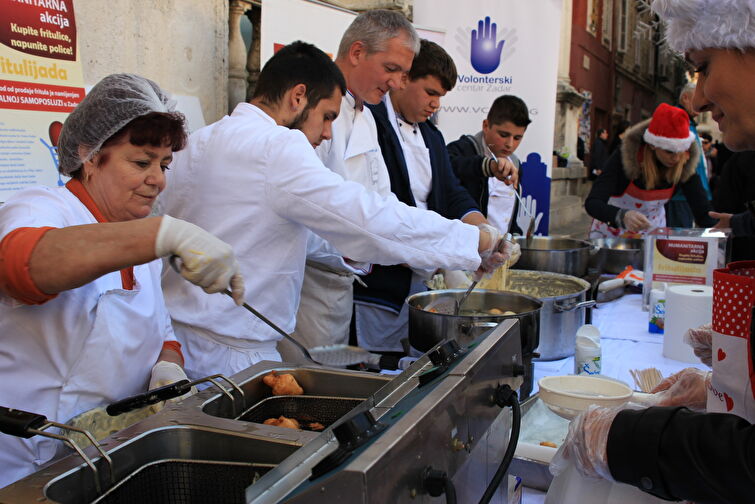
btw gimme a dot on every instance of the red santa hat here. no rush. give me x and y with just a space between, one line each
669 129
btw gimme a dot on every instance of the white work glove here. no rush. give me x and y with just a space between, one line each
701 341
528 207
206 260
164 373
688 387
586 442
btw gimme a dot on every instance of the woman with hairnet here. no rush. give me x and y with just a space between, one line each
82 316
673 452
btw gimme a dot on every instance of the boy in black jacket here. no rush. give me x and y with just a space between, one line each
481 161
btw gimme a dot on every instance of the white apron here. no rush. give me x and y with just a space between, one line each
82 370
327 294
325 308
732 389
648 202
501 201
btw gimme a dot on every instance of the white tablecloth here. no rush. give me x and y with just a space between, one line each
625 344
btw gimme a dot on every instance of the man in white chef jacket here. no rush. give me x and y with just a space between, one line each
256 182
376 50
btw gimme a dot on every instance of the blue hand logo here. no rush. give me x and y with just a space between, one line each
486 54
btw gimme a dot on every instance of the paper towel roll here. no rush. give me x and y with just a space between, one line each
687 306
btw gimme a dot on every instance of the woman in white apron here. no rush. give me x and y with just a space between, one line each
82 317
656 156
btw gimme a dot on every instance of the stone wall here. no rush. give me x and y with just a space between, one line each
180 44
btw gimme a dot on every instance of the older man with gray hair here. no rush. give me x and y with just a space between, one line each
678 211
375 51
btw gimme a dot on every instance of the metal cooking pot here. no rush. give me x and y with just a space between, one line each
558 255
564 299
615 254
426 329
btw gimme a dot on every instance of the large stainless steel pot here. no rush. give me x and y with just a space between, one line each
564 301
558 255
426 329
615 254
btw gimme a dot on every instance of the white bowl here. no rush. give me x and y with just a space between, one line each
567 396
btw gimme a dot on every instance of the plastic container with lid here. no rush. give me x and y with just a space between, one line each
587 351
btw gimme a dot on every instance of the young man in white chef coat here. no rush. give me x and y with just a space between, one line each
256 182
376 50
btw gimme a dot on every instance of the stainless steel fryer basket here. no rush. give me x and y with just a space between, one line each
323 409
177 481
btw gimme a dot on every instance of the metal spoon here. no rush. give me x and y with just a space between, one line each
457 307
174 264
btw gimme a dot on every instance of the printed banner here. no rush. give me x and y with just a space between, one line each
286 21
502 47
41 81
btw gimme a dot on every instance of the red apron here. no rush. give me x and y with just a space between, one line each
648 202
732 389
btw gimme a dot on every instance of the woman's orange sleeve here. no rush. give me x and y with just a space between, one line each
15 252
176 347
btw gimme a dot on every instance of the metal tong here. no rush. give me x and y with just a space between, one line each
517 193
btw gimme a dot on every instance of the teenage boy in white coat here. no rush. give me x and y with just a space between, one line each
256 182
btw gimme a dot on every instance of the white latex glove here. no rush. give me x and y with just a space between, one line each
528 207
515 254
490 258
635 221
701 341
688 387
206 260
456 279
586 442
164 373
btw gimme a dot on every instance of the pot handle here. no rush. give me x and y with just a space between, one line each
584 304
466 327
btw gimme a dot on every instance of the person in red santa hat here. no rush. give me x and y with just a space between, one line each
656 156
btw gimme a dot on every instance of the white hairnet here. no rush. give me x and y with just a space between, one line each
111 104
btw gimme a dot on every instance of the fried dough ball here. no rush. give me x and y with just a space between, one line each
284 384
288 423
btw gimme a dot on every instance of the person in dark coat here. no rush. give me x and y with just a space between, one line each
736 194
599 153
420 172
672 452
479 161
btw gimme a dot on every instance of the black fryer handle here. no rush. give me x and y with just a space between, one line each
17 423
153 396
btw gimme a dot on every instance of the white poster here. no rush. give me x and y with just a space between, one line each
286 21
502 47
